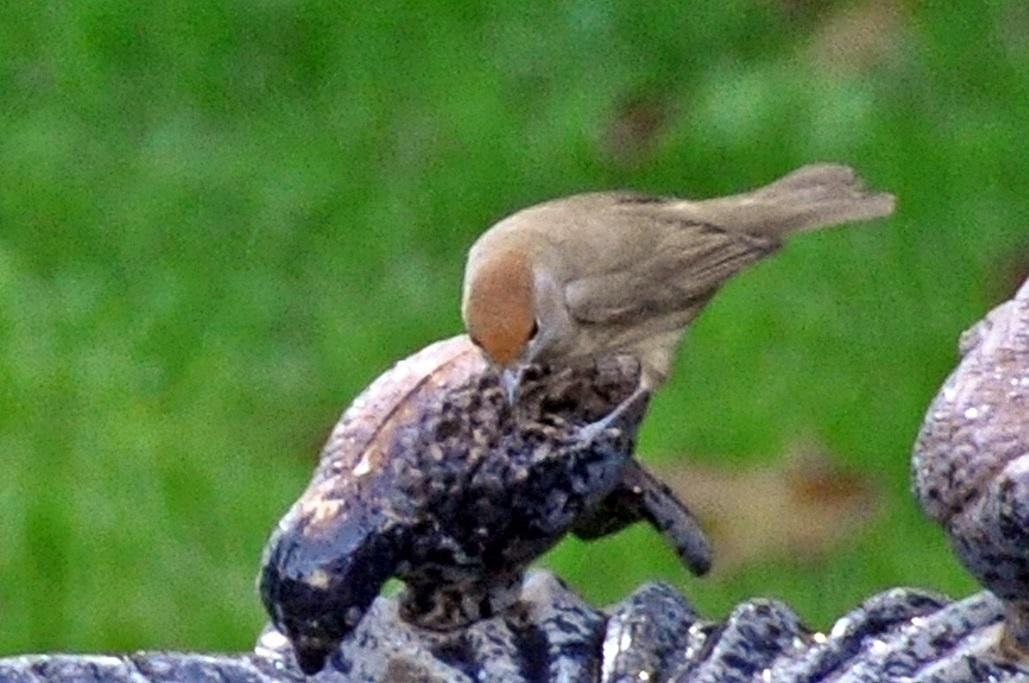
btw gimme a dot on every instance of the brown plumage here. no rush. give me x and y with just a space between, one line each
500 301
610 272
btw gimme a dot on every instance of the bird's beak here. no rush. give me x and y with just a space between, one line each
511 379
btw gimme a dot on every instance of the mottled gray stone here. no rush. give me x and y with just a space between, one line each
145 667
971 460
549 634
828 655
654 614
654 635
757 634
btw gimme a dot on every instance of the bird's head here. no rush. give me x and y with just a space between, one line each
499 311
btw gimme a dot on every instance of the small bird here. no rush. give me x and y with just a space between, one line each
621 272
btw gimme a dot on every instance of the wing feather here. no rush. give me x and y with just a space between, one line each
681 268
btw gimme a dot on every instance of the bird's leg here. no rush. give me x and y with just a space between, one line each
636 401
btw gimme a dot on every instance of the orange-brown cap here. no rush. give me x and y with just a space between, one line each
499 305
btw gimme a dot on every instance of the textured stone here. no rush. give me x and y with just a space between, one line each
971 460
549 634
433 478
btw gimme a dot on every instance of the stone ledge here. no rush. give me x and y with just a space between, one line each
653 635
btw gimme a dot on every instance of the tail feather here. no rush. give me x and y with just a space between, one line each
809 198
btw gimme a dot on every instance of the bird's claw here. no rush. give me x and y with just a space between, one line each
625 415
591 432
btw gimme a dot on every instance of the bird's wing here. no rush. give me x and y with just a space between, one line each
661 255
664 268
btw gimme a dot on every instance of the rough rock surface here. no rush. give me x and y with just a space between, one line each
971 461
653 635
433 477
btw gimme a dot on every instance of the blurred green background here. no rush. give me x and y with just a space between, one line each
220 220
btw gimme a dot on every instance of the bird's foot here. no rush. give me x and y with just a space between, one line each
624 414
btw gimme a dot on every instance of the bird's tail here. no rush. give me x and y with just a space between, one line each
811 197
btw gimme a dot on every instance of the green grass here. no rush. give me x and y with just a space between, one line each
219 221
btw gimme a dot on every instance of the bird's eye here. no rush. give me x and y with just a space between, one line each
535 329
476 342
